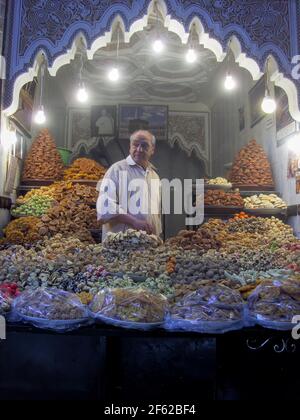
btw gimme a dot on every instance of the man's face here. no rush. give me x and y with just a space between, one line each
141 148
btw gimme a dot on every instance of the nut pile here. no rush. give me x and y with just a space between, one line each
251 167
219 181
223 199
43 161
84 169
131 239
264 201
130 305
276 300
50 304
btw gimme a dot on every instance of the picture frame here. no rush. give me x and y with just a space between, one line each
256 95
78 127
103 121
285 124
153 118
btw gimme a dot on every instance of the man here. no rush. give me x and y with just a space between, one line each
130 191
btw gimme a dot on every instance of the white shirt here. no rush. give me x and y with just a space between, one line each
151 196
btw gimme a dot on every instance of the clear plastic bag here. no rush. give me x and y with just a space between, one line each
5 304
135 308
213 309
50 309
273 304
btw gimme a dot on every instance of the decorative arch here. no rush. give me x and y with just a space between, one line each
53 27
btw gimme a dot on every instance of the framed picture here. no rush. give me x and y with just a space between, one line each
256 95
143 117
103 121
242 118
23 116
293 164
191 131
285 124
79 126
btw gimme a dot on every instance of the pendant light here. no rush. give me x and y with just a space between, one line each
158 45
268 104
191 55
40 117
114 73
229 83
81 95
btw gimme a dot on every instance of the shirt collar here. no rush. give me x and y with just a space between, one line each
131 162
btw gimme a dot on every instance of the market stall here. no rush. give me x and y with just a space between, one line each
206 309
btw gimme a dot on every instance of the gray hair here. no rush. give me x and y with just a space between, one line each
133 136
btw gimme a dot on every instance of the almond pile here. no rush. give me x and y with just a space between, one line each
43 161
252 167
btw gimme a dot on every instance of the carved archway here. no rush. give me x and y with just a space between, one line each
133 16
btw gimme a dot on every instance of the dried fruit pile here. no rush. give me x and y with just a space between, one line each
64 190
201 239
68 218
84 169
251 167
43 161
23 230
223 199
35 206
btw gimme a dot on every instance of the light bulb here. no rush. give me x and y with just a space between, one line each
114 75
191 56
158 46
12 136
229 83
294 144
40 117
268 104
82 95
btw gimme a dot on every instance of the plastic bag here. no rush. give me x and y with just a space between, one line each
273 304
50 309
129 308
5 304
214 309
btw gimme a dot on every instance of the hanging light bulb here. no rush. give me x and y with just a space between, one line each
229 83
158 46
268 104
40 117
82 95
114 74
191 56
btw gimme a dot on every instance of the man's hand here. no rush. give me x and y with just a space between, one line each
143 225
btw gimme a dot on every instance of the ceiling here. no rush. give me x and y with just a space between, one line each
146 77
